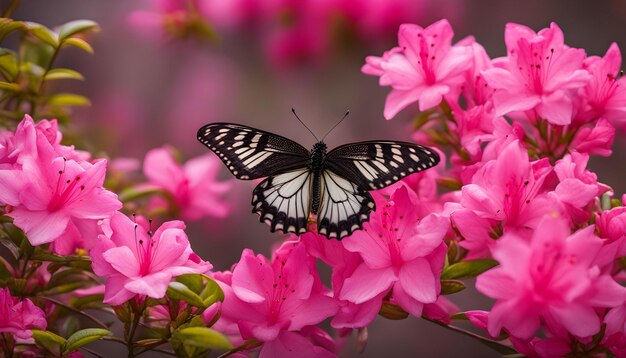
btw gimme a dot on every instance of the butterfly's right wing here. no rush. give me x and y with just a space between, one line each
251 153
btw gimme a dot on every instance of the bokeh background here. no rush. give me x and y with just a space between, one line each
147 92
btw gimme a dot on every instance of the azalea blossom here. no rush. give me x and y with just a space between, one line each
401 252
272 301
605 94
52 197
578 187
194 187
424 68
343 263
551 279
19 317
509 189
135 262
540 73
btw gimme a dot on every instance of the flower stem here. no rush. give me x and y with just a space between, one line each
501 348
11 8
75 310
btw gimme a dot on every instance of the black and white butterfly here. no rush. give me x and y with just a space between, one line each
334 185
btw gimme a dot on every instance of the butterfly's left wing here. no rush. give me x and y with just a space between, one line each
353 169
283 201
377 164
251 153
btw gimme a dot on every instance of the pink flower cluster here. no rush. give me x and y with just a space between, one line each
396 260
521 129
291 31
137 262
192 190
565 99
19 317
53 192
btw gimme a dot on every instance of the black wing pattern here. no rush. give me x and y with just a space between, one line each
353 169
344 206
377 164
283 201
251 153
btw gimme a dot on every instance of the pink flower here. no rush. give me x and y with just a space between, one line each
53 193
19 317
193 186
605 95
474 127
401 252
379 19
343 264
478 234
595 140
578 187
134 262
53 197
272 301
425 68
539 74
551 279
509 189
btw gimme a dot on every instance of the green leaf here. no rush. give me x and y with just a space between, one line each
134 194
48 340
8 64
449 287
7 86
75 27
42 33
211 293
8 25
467 269
65 288
202 337
91 301
80 43
193 281
68 99
48 256
179 291
449 183
393 312
83 337
5 274
62 74
11 246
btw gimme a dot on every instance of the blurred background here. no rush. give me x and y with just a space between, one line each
152 85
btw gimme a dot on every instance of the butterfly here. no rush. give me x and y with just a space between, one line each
332 185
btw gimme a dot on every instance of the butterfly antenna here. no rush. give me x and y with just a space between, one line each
300 120
335 126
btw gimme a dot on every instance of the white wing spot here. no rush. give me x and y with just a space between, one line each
381 166
395 150
414 157
379 150
398 158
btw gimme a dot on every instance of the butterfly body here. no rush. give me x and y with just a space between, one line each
316 165
331 185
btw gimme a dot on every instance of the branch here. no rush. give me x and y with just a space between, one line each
501 348
75 310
